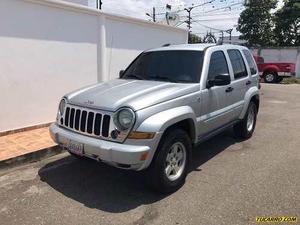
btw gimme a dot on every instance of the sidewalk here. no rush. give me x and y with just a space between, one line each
16 145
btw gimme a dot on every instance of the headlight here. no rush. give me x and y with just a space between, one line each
124 119
62 106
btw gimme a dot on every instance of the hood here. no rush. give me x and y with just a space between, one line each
136 94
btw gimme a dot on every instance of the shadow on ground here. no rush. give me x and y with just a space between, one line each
112 190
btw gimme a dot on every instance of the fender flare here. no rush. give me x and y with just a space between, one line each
254 91
271 68
161 121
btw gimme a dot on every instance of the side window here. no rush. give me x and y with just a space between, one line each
218 65
250 61
238 64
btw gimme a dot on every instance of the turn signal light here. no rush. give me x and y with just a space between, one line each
140 135
144 156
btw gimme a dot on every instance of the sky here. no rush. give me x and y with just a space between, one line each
207 17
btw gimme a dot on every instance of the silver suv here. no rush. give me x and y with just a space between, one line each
168 100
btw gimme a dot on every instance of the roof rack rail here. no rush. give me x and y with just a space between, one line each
166 45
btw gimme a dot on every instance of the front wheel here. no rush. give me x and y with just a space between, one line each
245 128
169 167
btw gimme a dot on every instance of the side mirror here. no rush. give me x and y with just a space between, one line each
220 80
121 73
210 83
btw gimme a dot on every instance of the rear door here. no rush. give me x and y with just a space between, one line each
252 67
241 83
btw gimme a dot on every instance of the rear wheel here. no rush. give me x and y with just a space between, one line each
270 77
245 128
169 167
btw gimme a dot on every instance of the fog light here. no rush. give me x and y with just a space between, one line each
114 134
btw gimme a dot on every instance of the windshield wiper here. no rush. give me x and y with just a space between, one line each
133 76
162 78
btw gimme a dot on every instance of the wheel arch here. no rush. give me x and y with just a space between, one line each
182 117
187 125
251 95
270 68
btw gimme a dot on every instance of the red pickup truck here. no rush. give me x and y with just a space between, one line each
274 72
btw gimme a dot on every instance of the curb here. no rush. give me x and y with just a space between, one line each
31 157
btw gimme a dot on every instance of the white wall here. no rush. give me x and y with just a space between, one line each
81 2
135 38
49 48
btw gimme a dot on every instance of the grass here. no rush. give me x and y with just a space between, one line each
291 81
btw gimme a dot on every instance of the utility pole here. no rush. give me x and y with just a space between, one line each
99 4
189 21
230 34
153 16
189 11
222 36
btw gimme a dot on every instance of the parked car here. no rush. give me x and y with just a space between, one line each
274 72
168 100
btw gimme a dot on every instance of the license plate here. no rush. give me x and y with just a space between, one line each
75 147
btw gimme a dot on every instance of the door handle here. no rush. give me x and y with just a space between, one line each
248 82
230 89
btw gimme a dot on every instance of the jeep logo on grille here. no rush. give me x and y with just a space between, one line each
89 102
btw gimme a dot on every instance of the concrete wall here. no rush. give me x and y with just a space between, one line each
81 2
49 48
283 54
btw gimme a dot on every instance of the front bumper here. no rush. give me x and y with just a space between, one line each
123 156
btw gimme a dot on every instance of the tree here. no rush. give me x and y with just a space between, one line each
255 22
193 39
287 24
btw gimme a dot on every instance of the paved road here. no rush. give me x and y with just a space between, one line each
231 182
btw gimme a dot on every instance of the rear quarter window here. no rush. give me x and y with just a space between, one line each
238 64
250 62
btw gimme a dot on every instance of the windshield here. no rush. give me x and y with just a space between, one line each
171 66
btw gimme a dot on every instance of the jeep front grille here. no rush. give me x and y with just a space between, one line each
86 121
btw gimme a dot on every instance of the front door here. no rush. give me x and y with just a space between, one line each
215 103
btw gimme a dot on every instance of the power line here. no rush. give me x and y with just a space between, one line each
189 11
225 7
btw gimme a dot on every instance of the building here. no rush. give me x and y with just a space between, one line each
51 47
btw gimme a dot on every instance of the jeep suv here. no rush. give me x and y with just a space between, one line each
168 100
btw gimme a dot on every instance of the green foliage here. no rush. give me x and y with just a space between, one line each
291 81
256 22
193 39
287 24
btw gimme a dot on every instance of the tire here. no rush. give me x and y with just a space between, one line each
279 79
270 77
165 162
245 128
